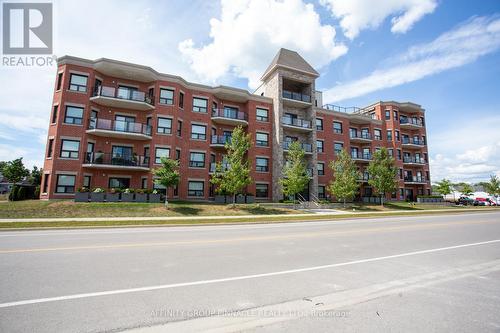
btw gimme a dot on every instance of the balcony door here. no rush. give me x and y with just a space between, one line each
354 152
124 123
126 92
230 112
121 155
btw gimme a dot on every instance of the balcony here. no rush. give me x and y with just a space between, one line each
360 137
229 116
219 141
296 99
307 147
119 129
412 143
361 157
364 178
410 123
413 160
123 98
225 166
415 180
115 161
297 124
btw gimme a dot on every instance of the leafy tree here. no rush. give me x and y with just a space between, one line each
295 178
383 173
2 165
236 176
15 171
345 184
444 187
36 176
167 175
466 189
493 186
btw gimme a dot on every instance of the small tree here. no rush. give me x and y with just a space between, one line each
15 171
295 178
35 177
467 189
493 186
444 187
167 175
236 176
382 173
345 184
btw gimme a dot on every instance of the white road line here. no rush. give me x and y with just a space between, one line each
234 278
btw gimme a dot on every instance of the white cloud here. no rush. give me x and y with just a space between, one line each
357 15
249 33
464 44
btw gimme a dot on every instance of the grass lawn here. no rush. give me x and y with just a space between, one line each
68 208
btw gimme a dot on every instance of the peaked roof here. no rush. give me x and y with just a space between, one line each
292 60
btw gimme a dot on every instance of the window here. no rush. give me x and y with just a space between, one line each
164 125
200 105
55 110
395 115
400 173
50 148
197 160
179 127
65 184
86 181
262 139
321 168
59 81
389 135
196 188
161 152
262 114
261 190
319 124
178 154
146 155
45 183
198 132
181 100
74 115
78 83
396 135
377 134
69 148
337 127
390 151
338 147
398 154
320 146
321 192
115 182
144 183
387 114
166 96
262 164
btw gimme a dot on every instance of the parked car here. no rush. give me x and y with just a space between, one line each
484 202
463 200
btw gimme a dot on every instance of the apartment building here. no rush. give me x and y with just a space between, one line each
112 121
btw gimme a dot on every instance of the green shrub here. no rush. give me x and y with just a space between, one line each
21 193
13 193
37 193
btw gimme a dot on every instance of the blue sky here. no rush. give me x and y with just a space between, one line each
442 54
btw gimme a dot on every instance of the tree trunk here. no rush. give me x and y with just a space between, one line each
294 199
344 202
382 200
234 200
166 198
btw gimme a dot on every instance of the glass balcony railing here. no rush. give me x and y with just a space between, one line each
220 139
360 135
116 159
361 156
408 141
411 121
119 126
296 96
225 166
296 122
307 147
412 159
415 179
229 114
122 93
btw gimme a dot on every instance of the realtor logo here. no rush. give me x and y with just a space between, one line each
27 28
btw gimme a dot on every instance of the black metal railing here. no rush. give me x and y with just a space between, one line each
360 135
296 122
307 147
412 159
116 159
415 179
296 96
229 114
411 121
220 139
413 141
123 93
361 156
119 126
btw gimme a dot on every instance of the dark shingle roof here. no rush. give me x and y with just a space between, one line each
290 59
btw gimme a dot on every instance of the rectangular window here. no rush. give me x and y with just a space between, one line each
262 164
74 115
337 127
164 125
55 110
200 105
261 190
69 149
319 124
144 183
197 160
45 183
390 151
321 168
65 184
196 188
338 147
395 115
181 100
262 114
387 114
161 152
399 154
320 146
396 134
198 132
59 81
389 135
78 83
377 134
50 148
116 182
261 139
86 181
321 192
166 96
178 154
179 128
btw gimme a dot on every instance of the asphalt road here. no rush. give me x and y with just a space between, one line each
426 274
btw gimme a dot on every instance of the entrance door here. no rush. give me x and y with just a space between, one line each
409 194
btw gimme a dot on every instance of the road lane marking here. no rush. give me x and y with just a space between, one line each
239 239
235 278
